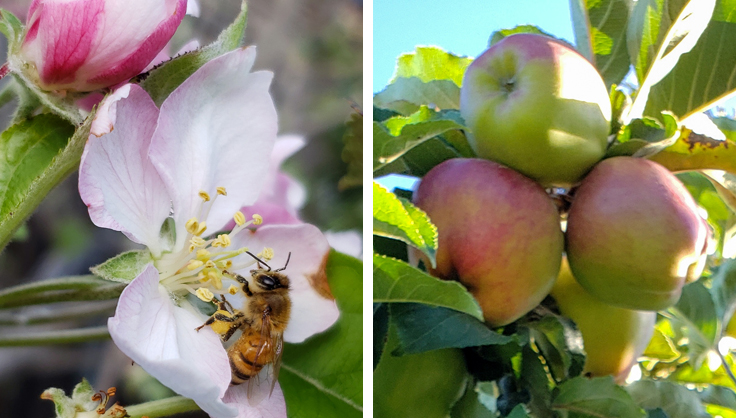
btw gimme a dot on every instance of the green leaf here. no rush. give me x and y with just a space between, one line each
725 186
324 375
68 407
380 330
518 412
695 313
406 95
646 136
12 28
396 281
35 155
165 78
600 27
598 397
693 151
397 218
679 38
352 153
674 399
726 125
470 406
703 76
537 381
723 289
423 328
718 395
431 63
561 344
419 160
123 268
661 347
396 136
424 385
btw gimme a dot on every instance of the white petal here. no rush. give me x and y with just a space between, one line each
216 129
193 8
161 338
117 182
311 311
273 407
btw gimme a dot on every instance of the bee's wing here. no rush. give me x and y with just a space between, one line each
277 345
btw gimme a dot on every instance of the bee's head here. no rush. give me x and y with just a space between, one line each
271 280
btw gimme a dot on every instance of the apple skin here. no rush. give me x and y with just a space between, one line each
534 104
613 337
634 235
499 234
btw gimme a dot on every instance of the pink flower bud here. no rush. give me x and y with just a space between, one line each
85 45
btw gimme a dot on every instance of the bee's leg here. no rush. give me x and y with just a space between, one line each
246 289
224 304
234 327
218 317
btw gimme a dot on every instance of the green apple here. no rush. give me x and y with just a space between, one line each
499 234
534 104
613 337
634 235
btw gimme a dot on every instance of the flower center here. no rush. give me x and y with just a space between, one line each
200 267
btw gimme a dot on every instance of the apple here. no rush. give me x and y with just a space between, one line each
613 337
534 104
634 235
499 234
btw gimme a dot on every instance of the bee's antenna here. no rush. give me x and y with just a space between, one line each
287 263
258 260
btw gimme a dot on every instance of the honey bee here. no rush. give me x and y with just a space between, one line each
262 321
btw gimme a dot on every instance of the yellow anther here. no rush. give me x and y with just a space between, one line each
202 278
192 225
197 242
224 265
191 248
204 294
204 195
232 289
194 264
203 254
209 264
239 218
257 219
221 191
266 254
223 240
216 279
200 229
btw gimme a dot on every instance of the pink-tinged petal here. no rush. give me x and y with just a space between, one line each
165 55
135 32
278 188
117 182
161 338
60 38
270 407
347 242
272 214
216 129
313 309
84 45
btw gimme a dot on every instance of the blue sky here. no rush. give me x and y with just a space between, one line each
462 26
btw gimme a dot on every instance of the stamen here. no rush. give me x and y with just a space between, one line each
197 242
239 218
210 264
205 294
203 254
191 225
221 191
266 254
223 240
257 219
200 229
216 279
194 264
232 289
204 195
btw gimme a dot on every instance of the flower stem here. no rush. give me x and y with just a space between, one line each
7 92
74 288
45 315
162 408
69 336
726 367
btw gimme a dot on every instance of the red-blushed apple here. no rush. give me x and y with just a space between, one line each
634 235
534 104
613 337
499 234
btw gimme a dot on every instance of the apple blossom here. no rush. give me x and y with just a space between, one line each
85 45
166 176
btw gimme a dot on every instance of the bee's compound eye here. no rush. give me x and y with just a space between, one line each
268 281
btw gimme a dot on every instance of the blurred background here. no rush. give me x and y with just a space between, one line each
315 49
